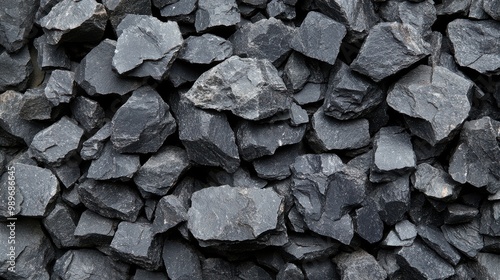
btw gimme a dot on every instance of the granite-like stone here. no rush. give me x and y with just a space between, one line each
367 223
290 272
279 9
420 15
277 166
492 8
205 49
311 93
216 14
113 165
217 269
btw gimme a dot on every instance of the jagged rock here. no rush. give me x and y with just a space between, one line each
17 22
152 123
435 239
311 93
206 135
298 115
205 49
95 229
215 14
169 213
319 270
87 112
179 8
277 166
492 8
162 3
296 72
329 134
448 7
421 15
16 69
403 234
128 21
71 197
118 9
181 261
266 39
240 178
319 37
96 76
60 223
279 9
68 173
459 213
465 237
35 106
403 46
367 223
228 86
487 266
182 73
113 165
124 203
50 56
307 247
249 270
392 199
217 269
92 147
359 265
60 87
434 182
86 23
290 272
471 42
489 223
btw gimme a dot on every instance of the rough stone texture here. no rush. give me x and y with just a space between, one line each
249 270
307 248
277 166
296 72
95 229
205 49
35 106
392 199
118 9
182 73
319 37
60 87
113 165
50 56
279 9
60 223
434 238
68 173
311 93
249 88
359 265
465 237
473 44
420 15
290 272
403 46
434 182
87 112
492 8
489 223
17 21
175 257
298 115
319 269
169 212
459 213
487 266
179 9
142 274
217 269
216 14
16 69
92 147
434 100
367 223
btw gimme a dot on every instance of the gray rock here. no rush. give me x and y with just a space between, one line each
421 15
290 272
227 86
128 21
205 49
492 8
489 224
179 8
96 76
113 165
118 9
329 134
311 93
434 100
142 274
298 115
71 197
279 9
217 269
277 166
142 124
61 223
162 3
403 46
448 7
240 178
471 42
92 147
266 39
137 244
459 213
296 72
392 199
50 56
465 237
169 212
476 10
435 239
16 70
359 265
86 23
434 182
405 230
181 261
319 37
367 223
308 248
124 203
206 135
319 270
215 14
68 173
182 73
393 156
249 270
60 87
87 112
350 95
487 266
95 229
17 22
35 106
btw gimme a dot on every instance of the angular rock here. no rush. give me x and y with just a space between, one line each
459 213
319 269
298 115
487 266
179 8
50 56
215 14
86 23
175 257
392 199
307 247
434 182
266 39
16 69
492 8
60 87
142 274
277 166
217 269
95 229
169 212
489 223
124 202
367 223
61 223
118 9
420 15
96 75
279 9
311 93
435 239
403 46
92 147
182 73
205 49
240 178
453 7
249 270
296 72
17 22
403 234
113 165
35 106
228 86
87 112
472 44
465 237
359 265
319 37
71 197
291 272
151 124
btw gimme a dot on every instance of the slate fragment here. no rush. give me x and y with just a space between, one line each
434 238
277 166
142 274
319 37
492 8
169 212
16 69
359 265
35 106
179 8
420 15
310 93
459 213
60 87
434 182
367 223
249 88
50 56
95 229
87 112
304 247
403 234
113 165
279 9
489 224
403 46
392 199
453 7
205 49
319 269
61 223
217 269
118 9
216 14
175 257
487 267
92 147
17 22
298 115
249 270
290 271
465 237
296 72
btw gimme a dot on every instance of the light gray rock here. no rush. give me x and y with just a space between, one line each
434 182
359 265
215 14
205 49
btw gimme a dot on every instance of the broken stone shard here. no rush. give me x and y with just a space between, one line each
434 238
491 7
95 229
277 166
17 21
459 213
465 237
296 72
306 247
489 223
57 142
290 272
60 87
249 270
86 23
92 147
124 203
367 223
113 165
16 69
152 123
249 88
434 100
35 106
403 46
487 265
319 37
118 9
311 93
180 8
298 115
175 257
266 39
215 14
420 15
279 9
359 265
434 182
393 199
87 112
50 56
60 223
205 49
319 269
169 212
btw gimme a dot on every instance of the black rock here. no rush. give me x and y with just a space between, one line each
75 21
392 199
359 265
435 239
308 247
60 87
181 261
71 197
489 223
465 237
16 69
217 269
403 46
403 234
111 200
277 166
87 112
319 270
113 165
96 75
142 274
17 22
434 182
459 213
205 49
271 259
311 93
227 87
421 15
137 244
279 9
95 229
118 9
182 73
296 72
35 106
367 223
92 147
50 56
61 223
319 37
179 8
162 3
298 115
290 272
215 14
266 39
169 212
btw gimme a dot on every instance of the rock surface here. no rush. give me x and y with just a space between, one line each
205 49
112 165
216 14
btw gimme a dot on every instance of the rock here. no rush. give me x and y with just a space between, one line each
113 165
60 87
311 93
421 15
359 265
489 224
487 266
68 173
279 9
70 196
298 115
217 269
403 46
162 3
118 9
350 95
403 234
152 120
322 44
459 213
256 140
124 204
89 263
60 223
434 182
216 14
319 270
169 212
453 7
92 147
465 237
206 135
87 112
142 274
492 8
86 24
50 56
265 39
227 87
35 106
367 223
277 166
158 49
425 211
290 272
16 70
95 229
205 49
240 178
182 73
308 248
296 72
181 261
392 199
433 109
180 8
393 156
471 43
96 76
330 134
17 22
435 239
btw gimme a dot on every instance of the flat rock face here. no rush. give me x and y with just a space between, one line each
465 237
118 9
50 55
359 265
420 15
322 44
434 182
473 44
169 212
205 49
92 147
215 14
175 256
87 112
61 224
60 87
94 228
17 21
403 46
113 165
249 88
16 69
35 106
435 239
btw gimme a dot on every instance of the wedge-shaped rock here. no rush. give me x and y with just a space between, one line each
434 182
17 21
87 112
402 47
113 165
169 212
465 237
95 229
305 247
359 265
60 87
367 223
205 49
487 265
393 199
16 70
249 88
434 238
92 147
291 272
212 14
181 261
179 9
459 213
420 15
490 224
60 223
35 106
50 56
